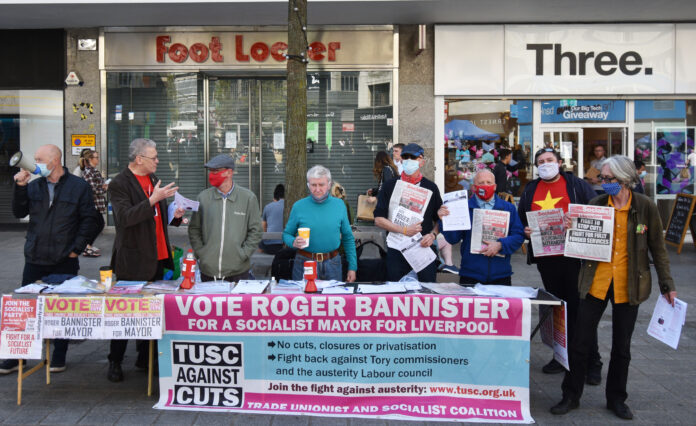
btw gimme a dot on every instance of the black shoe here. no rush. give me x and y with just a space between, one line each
620 409
553 367
594 374
115 373
564 406
8 366
57 367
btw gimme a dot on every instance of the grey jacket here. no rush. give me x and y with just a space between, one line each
642 212
224 233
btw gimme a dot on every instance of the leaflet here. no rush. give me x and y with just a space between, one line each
458 219
548 232
250 287
417 256
20 331
185 203
488 225
591 233
667 321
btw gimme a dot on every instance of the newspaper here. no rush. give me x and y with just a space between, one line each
548 232
406 206
457 203
20 330
591 233
488 225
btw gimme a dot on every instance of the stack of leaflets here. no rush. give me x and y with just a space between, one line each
77 285
163 286
250 286
288 287
34 288
211 287
127 287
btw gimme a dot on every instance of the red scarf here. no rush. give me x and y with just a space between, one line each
413 179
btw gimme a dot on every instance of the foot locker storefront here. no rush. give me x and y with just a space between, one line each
628 88
199 92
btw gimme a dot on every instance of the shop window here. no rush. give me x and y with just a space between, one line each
664 142
475 133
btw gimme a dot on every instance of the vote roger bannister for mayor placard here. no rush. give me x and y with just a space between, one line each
382 356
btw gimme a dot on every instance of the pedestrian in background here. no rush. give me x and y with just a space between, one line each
272 220
87 166
383 170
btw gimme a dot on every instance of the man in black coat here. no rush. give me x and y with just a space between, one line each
62 219
501 169
141 246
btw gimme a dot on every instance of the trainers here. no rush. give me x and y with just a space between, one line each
8 366
57 367
553 367
115 373
449 268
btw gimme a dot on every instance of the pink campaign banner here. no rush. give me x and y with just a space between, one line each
428 357
353 314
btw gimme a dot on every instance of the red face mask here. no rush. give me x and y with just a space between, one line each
216 179
484 192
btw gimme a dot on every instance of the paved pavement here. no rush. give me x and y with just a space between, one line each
661 380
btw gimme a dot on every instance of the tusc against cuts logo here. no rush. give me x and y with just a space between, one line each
207 374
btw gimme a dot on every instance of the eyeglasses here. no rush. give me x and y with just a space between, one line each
607 179
149 158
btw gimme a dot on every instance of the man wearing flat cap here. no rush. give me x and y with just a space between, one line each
226 229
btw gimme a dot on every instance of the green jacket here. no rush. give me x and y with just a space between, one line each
642 212
224 233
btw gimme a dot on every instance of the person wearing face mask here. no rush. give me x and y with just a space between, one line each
397 266
551 190
625 281
62 219
227 228
487 267
141 248
329 227
642 174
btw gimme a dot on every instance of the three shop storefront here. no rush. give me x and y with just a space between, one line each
628 88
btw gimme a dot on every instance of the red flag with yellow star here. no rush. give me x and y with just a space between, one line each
551 196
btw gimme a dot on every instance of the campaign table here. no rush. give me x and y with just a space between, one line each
250 353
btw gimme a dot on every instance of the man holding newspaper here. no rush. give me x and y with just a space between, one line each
496 233
407 208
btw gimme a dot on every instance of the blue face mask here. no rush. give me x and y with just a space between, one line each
410 166
43 169
643 174
612 188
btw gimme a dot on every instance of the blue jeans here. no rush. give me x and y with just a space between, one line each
327 270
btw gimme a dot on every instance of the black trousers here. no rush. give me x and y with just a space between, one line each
590 312
397 267
33 272
472 281
560 277
118 347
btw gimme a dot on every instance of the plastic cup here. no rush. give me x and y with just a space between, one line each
106 277
304 233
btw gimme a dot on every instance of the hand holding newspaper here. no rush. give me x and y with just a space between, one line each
488 225
591 233
548 232
406 207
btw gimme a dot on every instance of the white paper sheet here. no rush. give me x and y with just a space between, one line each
381 288
185 203
458 219
288 287
33 288
211 287
416 256
450 288
338 290
667 321
505 291
250 287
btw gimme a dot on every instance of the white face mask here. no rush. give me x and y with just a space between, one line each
548 171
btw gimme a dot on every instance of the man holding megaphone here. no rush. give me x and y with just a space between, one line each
62 218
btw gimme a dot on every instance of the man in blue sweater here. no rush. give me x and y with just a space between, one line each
327 219
487 267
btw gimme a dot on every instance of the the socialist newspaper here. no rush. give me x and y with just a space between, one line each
591 233
488 225
406 207
548 232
